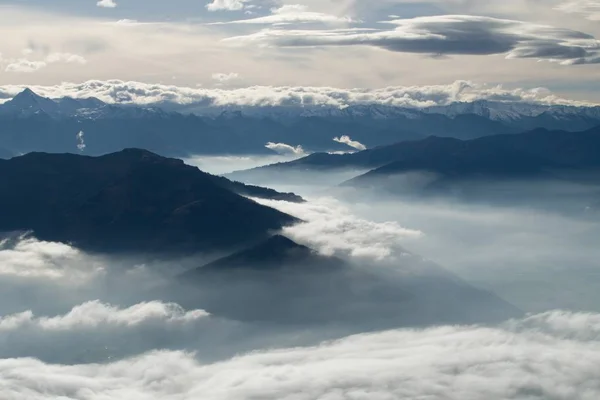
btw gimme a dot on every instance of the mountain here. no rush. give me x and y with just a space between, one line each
132 200
276 253
31 122
281 281
511 155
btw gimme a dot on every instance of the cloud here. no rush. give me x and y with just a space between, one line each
222 77
65 58
106 3
446 35
352 143
589 8
27 257
282 148
331 228
525 360
24 65
291 14
80 141
27 66
226 5
96 331
94 314
131 92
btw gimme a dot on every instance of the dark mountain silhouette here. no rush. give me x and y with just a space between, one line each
520 155
132 200
538 154
276 253
33 123
281 281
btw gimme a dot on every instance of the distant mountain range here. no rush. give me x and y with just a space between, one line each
30 122
439 165
132 201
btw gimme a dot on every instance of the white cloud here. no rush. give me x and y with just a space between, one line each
24 65
282 148
94 314
26 257
226 5
95 331
223 77
352 143
523 361
290 14
28 66
65 58
131 92
106 3
589 8
449 35
331 228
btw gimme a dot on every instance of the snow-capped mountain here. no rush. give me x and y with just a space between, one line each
29 104
507 112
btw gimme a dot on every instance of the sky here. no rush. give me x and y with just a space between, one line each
373 44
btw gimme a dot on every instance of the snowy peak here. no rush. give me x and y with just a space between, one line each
508 112
29 103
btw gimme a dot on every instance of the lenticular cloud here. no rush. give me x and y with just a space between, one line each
541 358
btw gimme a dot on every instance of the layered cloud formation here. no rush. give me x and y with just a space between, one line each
291 14
117 91
449 35
548 356
589 8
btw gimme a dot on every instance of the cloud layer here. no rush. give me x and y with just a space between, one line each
550 356
589 8
130 92
447 35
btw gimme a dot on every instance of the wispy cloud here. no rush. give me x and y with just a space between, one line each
449 35
131 92
588 8
225 77
291 14
28 66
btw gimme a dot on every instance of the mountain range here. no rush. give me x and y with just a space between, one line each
477 167
132 201
142 204
30 122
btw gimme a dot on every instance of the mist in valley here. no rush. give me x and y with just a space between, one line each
418 279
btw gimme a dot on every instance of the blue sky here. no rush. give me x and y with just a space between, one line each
230 44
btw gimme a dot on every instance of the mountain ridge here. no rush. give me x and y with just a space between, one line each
129 201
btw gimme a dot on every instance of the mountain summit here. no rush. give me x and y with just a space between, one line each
133 200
